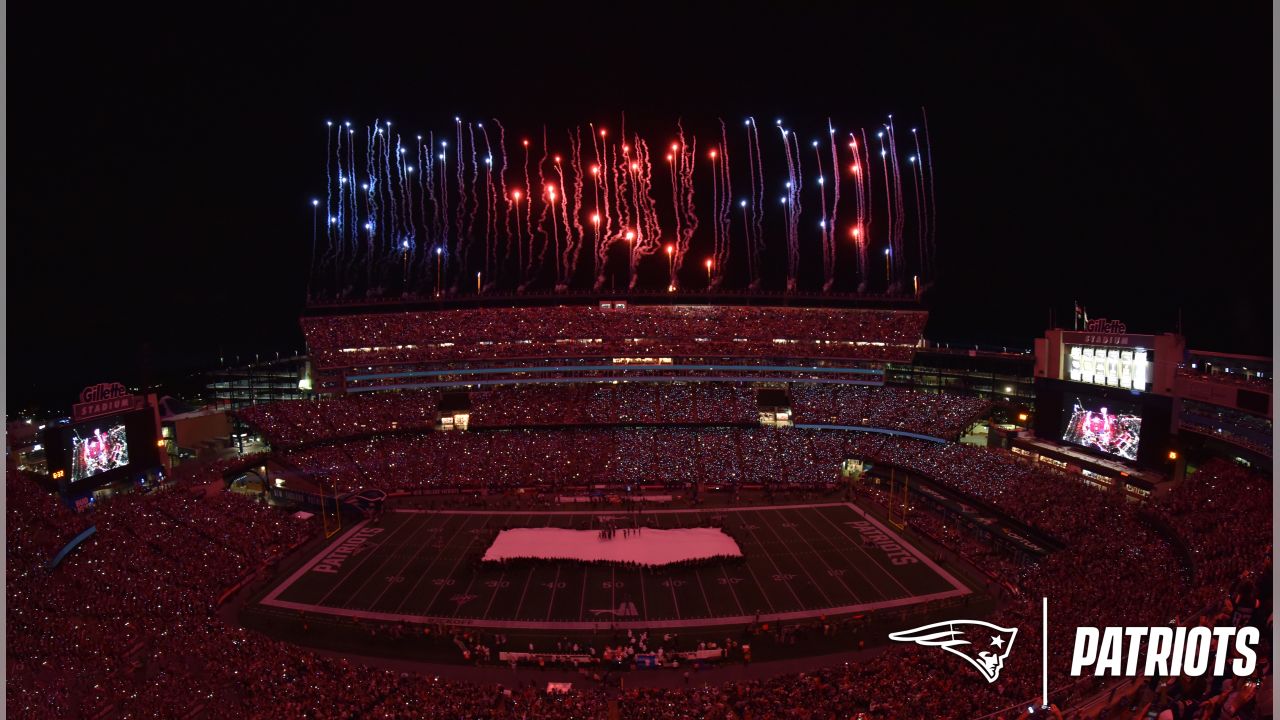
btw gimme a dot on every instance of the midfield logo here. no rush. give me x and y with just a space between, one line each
625 609
965 638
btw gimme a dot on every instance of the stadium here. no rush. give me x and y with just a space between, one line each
637 410
741 492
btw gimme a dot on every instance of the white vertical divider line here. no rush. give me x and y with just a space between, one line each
1044 649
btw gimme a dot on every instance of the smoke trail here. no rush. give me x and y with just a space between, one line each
490 206
506 196
834 223
792 206
757 205
899 208
597 212
933 208
328 203
473 206
647 205
721 260
391 228
888 203
459 231
916 161
828 251
576 240
688 223
546 194
380 225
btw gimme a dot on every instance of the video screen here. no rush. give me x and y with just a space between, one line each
1112 430
98 449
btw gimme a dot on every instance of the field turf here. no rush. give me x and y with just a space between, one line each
800 561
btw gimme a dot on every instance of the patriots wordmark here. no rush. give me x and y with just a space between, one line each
981 644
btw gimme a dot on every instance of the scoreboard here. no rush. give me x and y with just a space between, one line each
1126 361
112 437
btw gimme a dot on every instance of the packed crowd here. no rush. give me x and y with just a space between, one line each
295 422
614 404
113 628
1224 513
292 424
587 331
569 458
83 635
939 414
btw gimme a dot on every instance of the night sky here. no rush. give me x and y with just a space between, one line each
162 163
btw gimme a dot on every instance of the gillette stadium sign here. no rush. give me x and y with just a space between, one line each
104 399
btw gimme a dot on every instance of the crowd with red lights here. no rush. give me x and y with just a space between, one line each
944 415
1224 513
81 635
586 331
614 404
127 625
292 424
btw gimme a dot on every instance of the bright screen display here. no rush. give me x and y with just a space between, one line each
1114 431
1128 368
97 449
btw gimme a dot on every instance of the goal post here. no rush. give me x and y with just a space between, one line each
899 498
330 512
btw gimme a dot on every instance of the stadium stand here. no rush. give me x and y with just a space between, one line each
375 340
129 624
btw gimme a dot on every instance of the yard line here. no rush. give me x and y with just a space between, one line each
275 594
760 587
427 571
672 586
710 611
527 580
822 558
641 622
644 599
853 560
368 555
522 593
503 576
452 570
776 569
474 575
492 597
803 565
725 574
399 573
582 601
857 543
552 602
